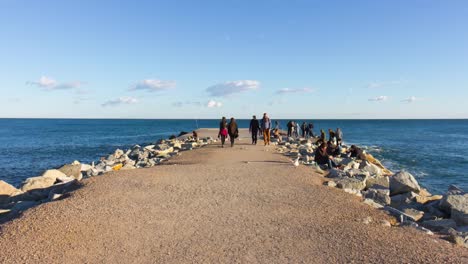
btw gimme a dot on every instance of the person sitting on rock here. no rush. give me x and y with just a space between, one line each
356 152
322 157
333 150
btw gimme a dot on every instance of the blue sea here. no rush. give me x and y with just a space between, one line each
435 151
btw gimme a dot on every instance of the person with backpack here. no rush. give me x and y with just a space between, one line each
254 129
266 127
233 131
223 131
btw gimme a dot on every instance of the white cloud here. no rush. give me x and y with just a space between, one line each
181 104
120 101
411 99
50 84
213 104
153 85
379 98
289 90
232 87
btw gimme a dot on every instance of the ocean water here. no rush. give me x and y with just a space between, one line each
435 151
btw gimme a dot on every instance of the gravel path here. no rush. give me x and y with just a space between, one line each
246 204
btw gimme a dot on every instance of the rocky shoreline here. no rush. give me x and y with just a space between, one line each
55 184
399 194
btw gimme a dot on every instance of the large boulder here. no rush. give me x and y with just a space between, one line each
6 191
379 194
350 183
72 170
39 182
53 174
381 181
371 168
403 182
457 206
403 200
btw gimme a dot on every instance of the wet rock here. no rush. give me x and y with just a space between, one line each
403 182
72 170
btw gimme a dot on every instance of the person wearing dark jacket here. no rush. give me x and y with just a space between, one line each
223 131
233 131
322 157
322 138
290 126
254 129
356 152
311 129
303 129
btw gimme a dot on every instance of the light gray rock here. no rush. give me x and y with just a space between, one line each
357 173
92 172
371 168
85 167
457 206
415 214
118 153
65 179
330 184
39 182
403 200
403 182
372 203
6 191
128 167
71 170
381 181
379 195
350 183
53 174
335 173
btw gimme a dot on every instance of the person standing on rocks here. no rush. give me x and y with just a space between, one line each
233 131
304 129
339 136
290 128
254 129
266 127
223 131
298 128
311 129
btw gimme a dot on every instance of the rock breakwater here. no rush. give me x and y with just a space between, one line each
54 184
399 194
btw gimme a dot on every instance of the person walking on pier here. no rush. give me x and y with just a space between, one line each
254 129
233 131
266 127
223 131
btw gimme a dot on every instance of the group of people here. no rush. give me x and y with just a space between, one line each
306 129
256 127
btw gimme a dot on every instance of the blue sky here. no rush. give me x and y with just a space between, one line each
204 59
